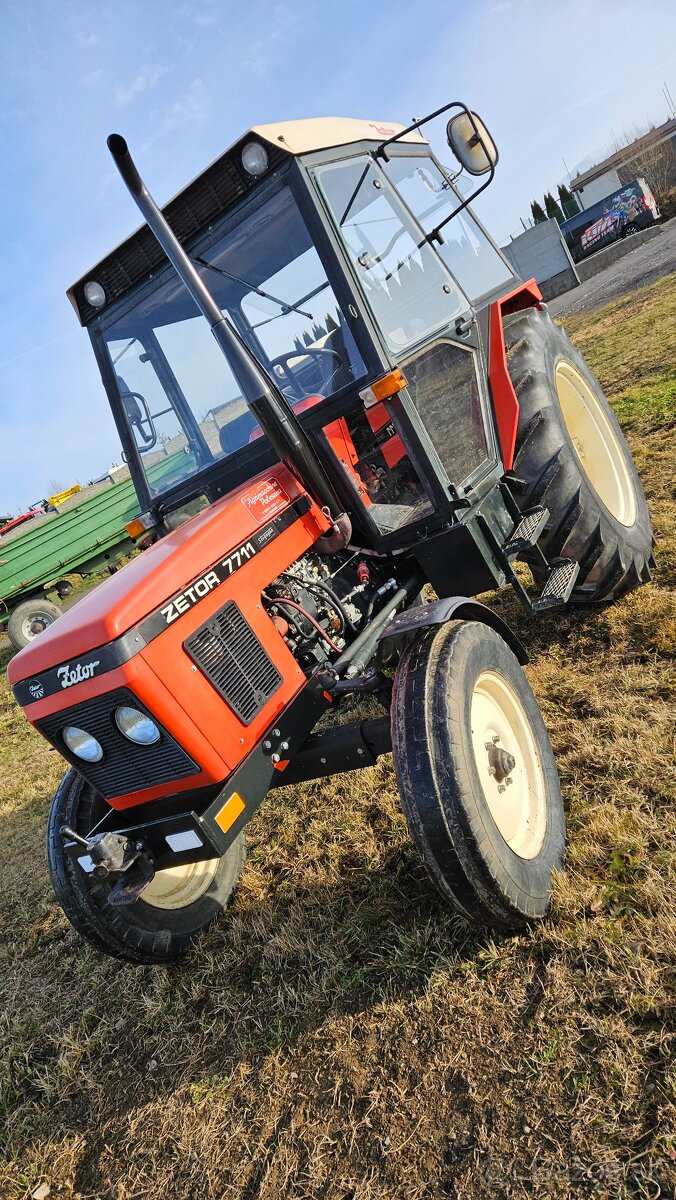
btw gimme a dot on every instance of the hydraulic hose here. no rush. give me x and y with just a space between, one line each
353 660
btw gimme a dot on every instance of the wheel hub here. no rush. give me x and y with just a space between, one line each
500 763
508 764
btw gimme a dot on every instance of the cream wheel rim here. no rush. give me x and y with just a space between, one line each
508 763
596 443
177 887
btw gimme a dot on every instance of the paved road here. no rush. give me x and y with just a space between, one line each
641 266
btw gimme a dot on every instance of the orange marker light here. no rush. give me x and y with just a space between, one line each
387 385
135 528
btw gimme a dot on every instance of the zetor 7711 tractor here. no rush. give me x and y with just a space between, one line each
331 390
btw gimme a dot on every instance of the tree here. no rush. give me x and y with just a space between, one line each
569 202
330 323
539 214
552 208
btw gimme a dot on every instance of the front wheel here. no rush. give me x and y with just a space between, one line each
476 775
630 230
178 905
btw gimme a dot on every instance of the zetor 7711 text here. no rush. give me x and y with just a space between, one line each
331 390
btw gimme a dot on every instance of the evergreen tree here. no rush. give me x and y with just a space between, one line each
539 214
330 323
552 208
569 202
307 337
298 344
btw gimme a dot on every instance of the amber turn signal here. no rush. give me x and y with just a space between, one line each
380 389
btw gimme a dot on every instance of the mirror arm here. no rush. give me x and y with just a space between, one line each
435 234
380 152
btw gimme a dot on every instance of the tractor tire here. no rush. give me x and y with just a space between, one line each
163 924
30 619
461 706
571 456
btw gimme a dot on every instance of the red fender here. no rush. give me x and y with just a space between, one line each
505 401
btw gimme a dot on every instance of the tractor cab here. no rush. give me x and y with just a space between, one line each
344 257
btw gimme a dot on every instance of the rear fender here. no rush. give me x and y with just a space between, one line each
453 608
505 402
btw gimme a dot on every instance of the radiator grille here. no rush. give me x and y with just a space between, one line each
228 652
124 767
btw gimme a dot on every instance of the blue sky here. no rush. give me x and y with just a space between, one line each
182 80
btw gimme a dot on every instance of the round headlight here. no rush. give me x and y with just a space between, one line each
136 726
82 744
94 294
255 159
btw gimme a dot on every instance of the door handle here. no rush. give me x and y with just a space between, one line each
463 326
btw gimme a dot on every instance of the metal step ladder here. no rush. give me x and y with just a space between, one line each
561 573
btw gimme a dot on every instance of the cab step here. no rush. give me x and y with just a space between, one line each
526 533
560 583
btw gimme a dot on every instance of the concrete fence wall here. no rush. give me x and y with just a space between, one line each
541 253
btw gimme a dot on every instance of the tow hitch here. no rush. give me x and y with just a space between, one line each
112 855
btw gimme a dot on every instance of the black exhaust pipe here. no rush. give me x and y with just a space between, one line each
262 395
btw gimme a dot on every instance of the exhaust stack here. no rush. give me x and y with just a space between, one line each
262 395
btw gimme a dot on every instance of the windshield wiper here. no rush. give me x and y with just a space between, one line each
303 300
286 308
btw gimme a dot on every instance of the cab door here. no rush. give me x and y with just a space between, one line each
424 320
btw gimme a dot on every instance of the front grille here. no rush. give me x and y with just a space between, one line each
124 767
228 652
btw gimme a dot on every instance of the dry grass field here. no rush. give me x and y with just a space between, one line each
342 1036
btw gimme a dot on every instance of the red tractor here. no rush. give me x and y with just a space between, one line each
331 390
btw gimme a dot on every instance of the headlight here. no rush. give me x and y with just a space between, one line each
136 726
255 159
94 294
82 744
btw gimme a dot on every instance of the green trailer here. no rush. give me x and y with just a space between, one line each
84 539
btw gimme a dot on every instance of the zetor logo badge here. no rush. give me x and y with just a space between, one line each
69 676
201 587
36 689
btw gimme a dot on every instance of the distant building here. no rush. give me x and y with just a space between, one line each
657 148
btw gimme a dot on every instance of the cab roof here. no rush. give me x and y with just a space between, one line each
216 189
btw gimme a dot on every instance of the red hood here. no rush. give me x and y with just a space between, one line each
139 588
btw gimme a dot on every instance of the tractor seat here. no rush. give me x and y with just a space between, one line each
235 433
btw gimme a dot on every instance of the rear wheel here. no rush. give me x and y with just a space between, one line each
178 904
30 619
476 774
572 457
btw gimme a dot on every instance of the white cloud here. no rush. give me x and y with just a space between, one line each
92 78
145 79
190 108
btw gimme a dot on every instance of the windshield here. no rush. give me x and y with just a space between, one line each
179 396
469 253
407 286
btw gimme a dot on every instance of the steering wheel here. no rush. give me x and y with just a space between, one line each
281 369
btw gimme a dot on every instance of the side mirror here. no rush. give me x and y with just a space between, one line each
471 143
